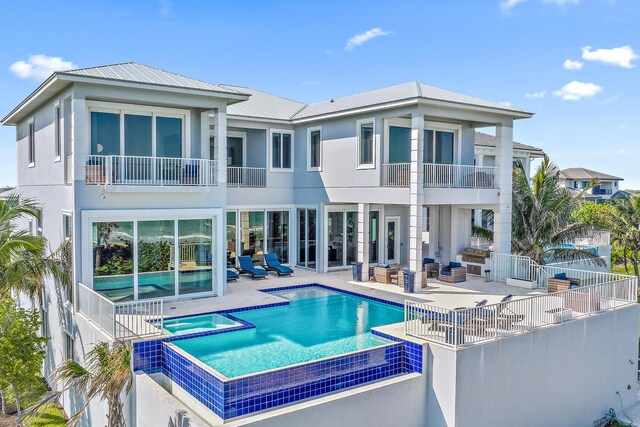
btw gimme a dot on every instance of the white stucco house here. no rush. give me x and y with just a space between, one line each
576 179
163 182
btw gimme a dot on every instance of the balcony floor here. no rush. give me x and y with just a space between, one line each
245 292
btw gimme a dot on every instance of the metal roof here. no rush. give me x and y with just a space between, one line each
263 105
139 73
486 140
586 174
405 91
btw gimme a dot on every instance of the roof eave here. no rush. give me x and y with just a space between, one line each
10 118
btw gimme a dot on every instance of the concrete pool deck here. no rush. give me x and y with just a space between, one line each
246 292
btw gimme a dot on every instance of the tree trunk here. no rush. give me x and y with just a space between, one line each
2 406
634 260
626 261
15 392
115 416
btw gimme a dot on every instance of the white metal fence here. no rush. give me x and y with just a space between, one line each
396 174
459 176
246 177
505 266
129 319
156 171
467 326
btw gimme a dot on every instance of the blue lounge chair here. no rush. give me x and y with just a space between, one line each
232 275
272 263
247 267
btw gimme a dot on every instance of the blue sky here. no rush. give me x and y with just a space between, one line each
511 51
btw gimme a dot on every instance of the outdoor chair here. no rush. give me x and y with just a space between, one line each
560 282
431 267
247 267
272 263
232 275
453 273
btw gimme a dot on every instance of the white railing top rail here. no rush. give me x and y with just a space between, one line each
123 156
458 328
443 175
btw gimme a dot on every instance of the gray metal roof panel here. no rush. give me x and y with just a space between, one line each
139 73
584 174
263 105
486 140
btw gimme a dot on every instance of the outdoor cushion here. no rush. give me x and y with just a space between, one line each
573 285
383 265
446 272
562 276
454 265
428 261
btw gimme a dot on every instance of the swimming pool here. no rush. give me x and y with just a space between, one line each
317 323
197 324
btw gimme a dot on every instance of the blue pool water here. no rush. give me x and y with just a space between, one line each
317 323
195 324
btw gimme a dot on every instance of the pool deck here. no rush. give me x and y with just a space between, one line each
246 292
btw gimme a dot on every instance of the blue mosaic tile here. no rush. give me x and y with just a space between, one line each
412 352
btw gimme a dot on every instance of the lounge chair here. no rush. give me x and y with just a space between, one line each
232 275
502 317
272 263
560 282
247 267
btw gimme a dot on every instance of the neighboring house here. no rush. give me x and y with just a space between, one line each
577 179
162 181
486 152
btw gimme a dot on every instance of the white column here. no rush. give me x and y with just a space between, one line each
204 135
81 147
221 144
416 197
504 165
363 239
478 212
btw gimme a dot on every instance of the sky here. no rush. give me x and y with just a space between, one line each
574 63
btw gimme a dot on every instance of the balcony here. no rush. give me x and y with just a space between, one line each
396 174
246 177
601 191
149 171
459 176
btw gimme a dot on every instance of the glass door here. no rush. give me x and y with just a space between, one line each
342 238
374 225
307 238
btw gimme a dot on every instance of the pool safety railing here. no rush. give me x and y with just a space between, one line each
121 320
509 266
463 327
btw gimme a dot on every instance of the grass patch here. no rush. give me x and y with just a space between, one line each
52 416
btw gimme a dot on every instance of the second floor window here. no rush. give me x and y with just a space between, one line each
366 143
58 130
32 143
315 149
281 150
439 146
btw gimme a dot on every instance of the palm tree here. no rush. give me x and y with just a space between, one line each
23 260
625 228
542 223
106 375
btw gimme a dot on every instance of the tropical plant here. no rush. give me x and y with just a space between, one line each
22 351
107 374
624 226
542 225
23 260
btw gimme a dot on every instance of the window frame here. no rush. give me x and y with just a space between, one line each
31 142
243 136
141 110
65 215
445 127
69 346
359 124
311 168
281 132
57 138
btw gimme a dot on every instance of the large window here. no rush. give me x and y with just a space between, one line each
399 144
136 131
32 143
281 150
307 238
113 259
231 239
439 146
195 250
366 144
155 246
314 150
278 234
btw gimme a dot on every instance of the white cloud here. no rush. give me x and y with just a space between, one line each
40 66
575 91
506 103
536 95
572 65
358 39
620 56
510 4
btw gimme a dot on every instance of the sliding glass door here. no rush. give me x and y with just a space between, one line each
307 238
259 232
278 234
342 238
